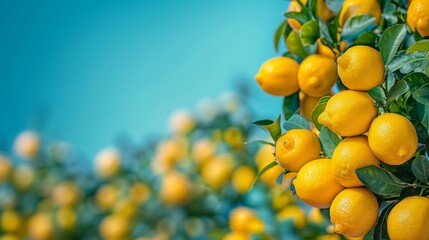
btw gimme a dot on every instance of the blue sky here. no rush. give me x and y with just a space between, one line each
96 69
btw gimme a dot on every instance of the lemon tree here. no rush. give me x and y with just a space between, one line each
371 115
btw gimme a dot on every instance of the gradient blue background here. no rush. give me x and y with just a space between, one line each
90 70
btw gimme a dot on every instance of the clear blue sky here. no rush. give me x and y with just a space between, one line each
99 68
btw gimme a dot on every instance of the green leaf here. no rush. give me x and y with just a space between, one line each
325 35
260 142
281 31
420 168
380 231
390 80
329 141
295 45
403 59
301 17
367 39
357 25
370 235
320 107
380 181
273 128
309 32
266 168
422 132
279 179
290 105
296 122
399 88
391 40
334 5
421 95
378 95
420 46
415 80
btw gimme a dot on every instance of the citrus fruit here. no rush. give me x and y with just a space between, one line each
354 212
217 171
418 18
106 196
5 168
202 150
236 236
348 113
315 80
278 76
242 178
40 226
114 227
139 193
353 8
27 144
10 221
294 213
175 189
263 157
243 219
392 138
307 104
297 147
322 10
350 154
316 177
66 194
361 68
181 122
107 162
66 218
409 219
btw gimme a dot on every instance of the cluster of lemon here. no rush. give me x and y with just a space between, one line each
368 136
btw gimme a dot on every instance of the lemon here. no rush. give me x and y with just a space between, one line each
237 236
175 189
114 227
242 178
243 219
350 154
295 213
307 104
322 10
139 193
278 76
316 177
361 68
11 221
392 138
107 162
409 219
66 194
315 80
27 144
418 18
297 147
5 168
106 196
233 137
353 8
217 171
349 113
181 122
40 226
354 212
66 218
263 157
202 150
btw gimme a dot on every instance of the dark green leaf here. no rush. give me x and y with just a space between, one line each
296 122
378 95
421 95
422 131
290 105
420 46
415 80
357 25
309 32
391 40
367 39
399 88
312 5
325 34
281 32
380 181
420 169
318 110
334 5
295 45
301 17
273 128
266 168
390 80
370 235
260 142
279 179
329 141
403 59
380 232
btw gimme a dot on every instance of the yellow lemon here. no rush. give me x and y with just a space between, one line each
139 193
315 215
243 219
233 137
66 218
297 147
126 209
418 18
317 74
282 198
392 138
106 196
23 177
169 153
237 236
325 50
354 212
263 157
5 168
114 227
108 162
361 68
9 237
66 194
307 104
202 150
329 237
11 221
353 8
217 171
295 213
350 154
409 219
27 144
349 113
278 76
175 189
181 122
242 178
322 10
316 177
40 226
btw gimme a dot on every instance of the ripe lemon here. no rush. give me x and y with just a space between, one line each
349 113
107 162
114 227
278 76
243 219
297 147
263 157
27 144
139 193
316 75
361 68
316 177
236 236
175 189
242 178
66 218
217 171
392 138
353 8
322 10
295 213
11 221
307 104
354 212
40 226
409 219
350 154
66 194
106 196
5 168
202 150
418 18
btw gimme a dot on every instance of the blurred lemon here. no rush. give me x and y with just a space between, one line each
278 76
66 194
237 236
314 80
417 17
242 178
297 147
66 218
282 198
126 209
322 11
175 189
169 152
263 157
27 144
11 221
23 177
354 212
216 172
5 168
108 162
40 226
353 8
233 137
181 122
316 177
295 213
314 215
202 150
243 219
329 237
139 193
349 113
114 227
106 196
307 104
392 138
